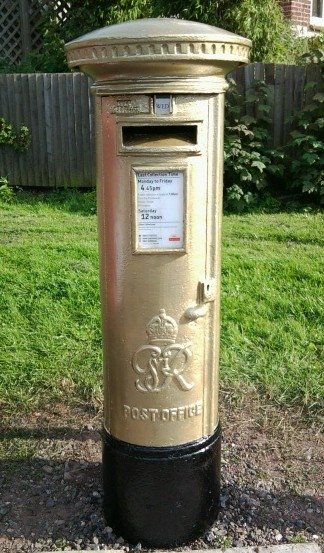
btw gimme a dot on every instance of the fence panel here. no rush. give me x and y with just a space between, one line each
58 110
285 84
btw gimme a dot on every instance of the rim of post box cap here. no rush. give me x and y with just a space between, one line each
168 54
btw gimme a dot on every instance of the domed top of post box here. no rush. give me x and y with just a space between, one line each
157 48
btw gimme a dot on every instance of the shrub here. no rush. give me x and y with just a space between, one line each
306 171
314 53
6 191
249 161
19 140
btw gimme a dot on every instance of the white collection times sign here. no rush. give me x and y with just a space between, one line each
160 210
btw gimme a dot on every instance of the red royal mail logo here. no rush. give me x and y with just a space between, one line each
174 239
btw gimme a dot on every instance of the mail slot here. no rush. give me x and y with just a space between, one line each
159 89
159 136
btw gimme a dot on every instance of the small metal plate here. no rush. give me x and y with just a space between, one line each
129 104
163 104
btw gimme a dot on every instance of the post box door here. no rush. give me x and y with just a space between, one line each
157 254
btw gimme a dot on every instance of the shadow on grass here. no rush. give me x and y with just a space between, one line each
58 433
82 202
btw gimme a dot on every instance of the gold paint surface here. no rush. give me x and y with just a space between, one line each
160 392
157 47
160 307
210 84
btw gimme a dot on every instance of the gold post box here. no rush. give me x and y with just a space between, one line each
159 96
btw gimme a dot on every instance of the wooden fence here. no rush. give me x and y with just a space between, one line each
58 110
285 84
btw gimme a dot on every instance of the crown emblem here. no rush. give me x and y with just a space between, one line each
162 361
162 329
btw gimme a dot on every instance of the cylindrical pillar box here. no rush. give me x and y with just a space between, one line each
159 96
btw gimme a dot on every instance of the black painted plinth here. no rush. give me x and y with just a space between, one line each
161 497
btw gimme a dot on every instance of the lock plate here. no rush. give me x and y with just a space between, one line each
207 289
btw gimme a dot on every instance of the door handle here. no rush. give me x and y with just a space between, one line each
193 313
206 294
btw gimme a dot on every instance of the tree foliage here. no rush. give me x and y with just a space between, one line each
273 39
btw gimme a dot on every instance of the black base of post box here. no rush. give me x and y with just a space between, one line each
161 496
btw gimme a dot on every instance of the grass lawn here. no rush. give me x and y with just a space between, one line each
50 333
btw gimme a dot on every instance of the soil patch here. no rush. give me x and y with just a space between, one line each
51 491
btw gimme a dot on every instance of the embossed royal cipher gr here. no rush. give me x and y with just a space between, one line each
159 107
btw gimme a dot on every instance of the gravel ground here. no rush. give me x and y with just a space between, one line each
51 495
